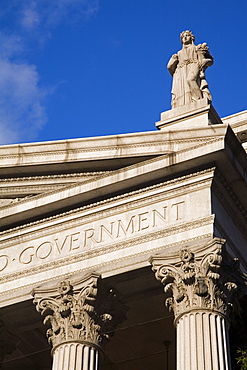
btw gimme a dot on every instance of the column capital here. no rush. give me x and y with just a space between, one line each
202 278
78 311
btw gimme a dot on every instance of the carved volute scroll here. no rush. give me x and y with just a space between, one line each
212 281
79 313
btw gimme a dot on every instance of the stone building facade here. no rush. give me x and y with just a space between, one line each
97 233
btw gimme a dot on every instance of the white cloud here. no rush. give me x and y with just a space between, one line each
22 99
47 14
10 45
22 113
30 18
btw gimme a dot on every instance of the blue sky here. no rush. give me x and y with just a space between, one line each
79 68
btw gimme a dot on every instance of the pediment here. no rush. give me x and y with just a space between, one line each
58 193
16 189
96 220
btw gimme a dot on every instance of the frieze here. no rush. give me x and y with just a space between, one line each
90 235
17 292
94 212
114 247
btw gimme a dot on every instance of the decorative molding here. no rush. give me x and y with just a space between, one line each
67 186
79 312
54 177
212 281
199 145
70 152
126 196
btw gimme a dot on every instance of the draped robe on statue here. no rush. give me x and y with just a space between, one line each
189 82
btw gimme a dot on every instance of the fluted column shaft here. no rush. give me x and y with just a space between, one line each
76 356
202 341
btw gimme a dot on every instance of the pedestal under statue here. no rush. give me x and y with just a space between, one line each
187 68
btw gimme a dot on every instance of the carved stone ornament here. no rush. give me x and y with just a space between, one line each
188 70
80 313
212 281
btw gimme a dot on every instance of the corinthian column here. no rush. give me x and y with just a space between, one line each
81 318
204 286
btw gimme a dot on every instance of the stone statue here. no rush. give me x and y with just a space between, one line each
187 68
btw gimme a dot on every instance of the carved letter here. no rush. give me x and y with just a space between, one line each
30 256
74 242
62 246
4 260
125 230
89 234
108 232
44 250
141 220
162 217
177 209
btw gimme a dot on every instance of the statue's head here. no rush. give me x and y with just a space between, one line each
187 37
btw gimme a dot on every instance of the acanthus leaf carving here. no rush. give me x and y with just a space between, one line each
212 282
80 315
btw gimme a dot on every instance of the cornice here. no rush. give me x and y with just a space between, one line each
26 187
120 147
75 217
199 145
27 190
236 119
65 187
68 176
